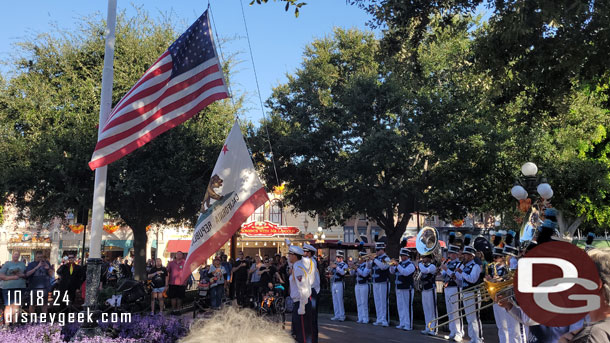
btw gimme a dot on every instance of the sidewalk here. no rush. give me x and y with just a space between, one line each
350 332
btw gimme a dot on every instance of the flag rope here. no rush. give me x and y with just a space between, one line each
260 99
222 57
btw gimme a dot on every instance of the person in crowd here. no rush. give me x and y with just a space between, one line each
125 270
38 274
255 277
12 275
150 264
226 266
283 270
239 278
177 287
217 281
159 280
70 278
598 330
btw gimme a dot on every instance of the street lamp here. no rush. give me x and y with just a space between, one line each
529 184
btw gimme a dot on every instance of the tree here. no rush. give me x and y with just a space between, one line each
354 131
547 66
49 113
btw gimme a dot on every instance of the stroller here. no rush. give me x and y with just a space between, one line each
202 299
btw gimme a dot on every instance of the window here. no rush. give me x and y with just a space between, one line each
275 212
348 234
258 215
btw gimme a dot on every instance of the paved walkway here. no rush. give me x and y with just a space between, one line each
352 332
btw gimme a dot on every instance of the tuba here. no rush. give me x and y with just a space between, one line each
426 243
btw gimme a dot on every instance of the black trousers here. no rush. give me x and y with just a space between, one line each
302 323
314 315
240 291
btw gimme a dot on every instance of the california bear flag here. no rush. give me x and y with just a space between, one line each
232 195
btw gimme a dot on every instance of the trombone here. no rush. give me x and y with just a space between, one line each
489 290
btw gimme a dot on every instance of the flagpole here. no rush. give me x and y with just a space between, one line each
94 263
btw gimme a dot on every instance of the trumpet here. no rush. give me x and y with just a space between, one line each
369 256
394 262
489 290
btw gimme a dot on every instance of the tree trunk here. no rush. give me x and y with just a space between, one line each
565 229
393 241
139 249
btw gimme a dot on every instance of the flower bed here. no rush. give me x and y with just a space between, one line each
151 329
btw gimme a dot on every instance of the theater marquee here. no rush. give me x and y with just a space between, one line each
267 229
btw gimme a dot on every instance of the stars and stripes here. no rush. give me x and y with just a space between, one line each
183 81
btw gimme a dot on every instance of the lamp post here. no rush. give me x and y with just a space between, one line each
529 184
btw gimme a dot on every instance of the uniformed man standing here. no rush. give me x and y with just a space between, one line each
470 276
496 271
516 329
381 286
428 293
314 279
452 289
338 272
300 291
404 289
363 277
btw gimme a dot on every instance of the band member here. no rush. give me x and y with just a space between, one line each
452 289
470 276
363 278
404 289
381 287
428 293
314 279
516 329
339 270
496 271
300 291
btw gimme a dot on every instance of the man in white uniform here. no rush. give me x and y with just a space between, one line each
428 293
314 279
404 289
452 289
363 277
381 287
300 291
338 272
469 275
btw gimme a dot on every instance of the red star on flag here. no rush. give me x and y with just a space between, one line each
225 149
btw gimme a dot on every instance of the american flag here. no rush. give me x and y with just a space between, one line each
183 81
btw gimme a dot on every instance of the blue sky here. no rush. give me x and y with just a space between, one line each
277 37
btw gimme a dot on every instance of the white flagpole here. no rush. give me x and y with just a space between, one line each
99 193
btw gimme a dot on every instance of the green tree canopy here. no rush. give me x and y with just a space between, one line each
353 132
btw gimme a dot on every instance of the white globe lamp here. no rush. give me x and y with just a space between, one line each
529 169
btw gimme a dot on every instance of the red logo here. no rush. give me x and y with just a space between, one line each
557 284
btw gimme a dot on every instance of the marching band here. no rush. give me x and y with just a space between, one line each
464 284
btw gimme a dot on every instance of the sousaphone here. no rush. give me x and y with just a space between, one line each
426 243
